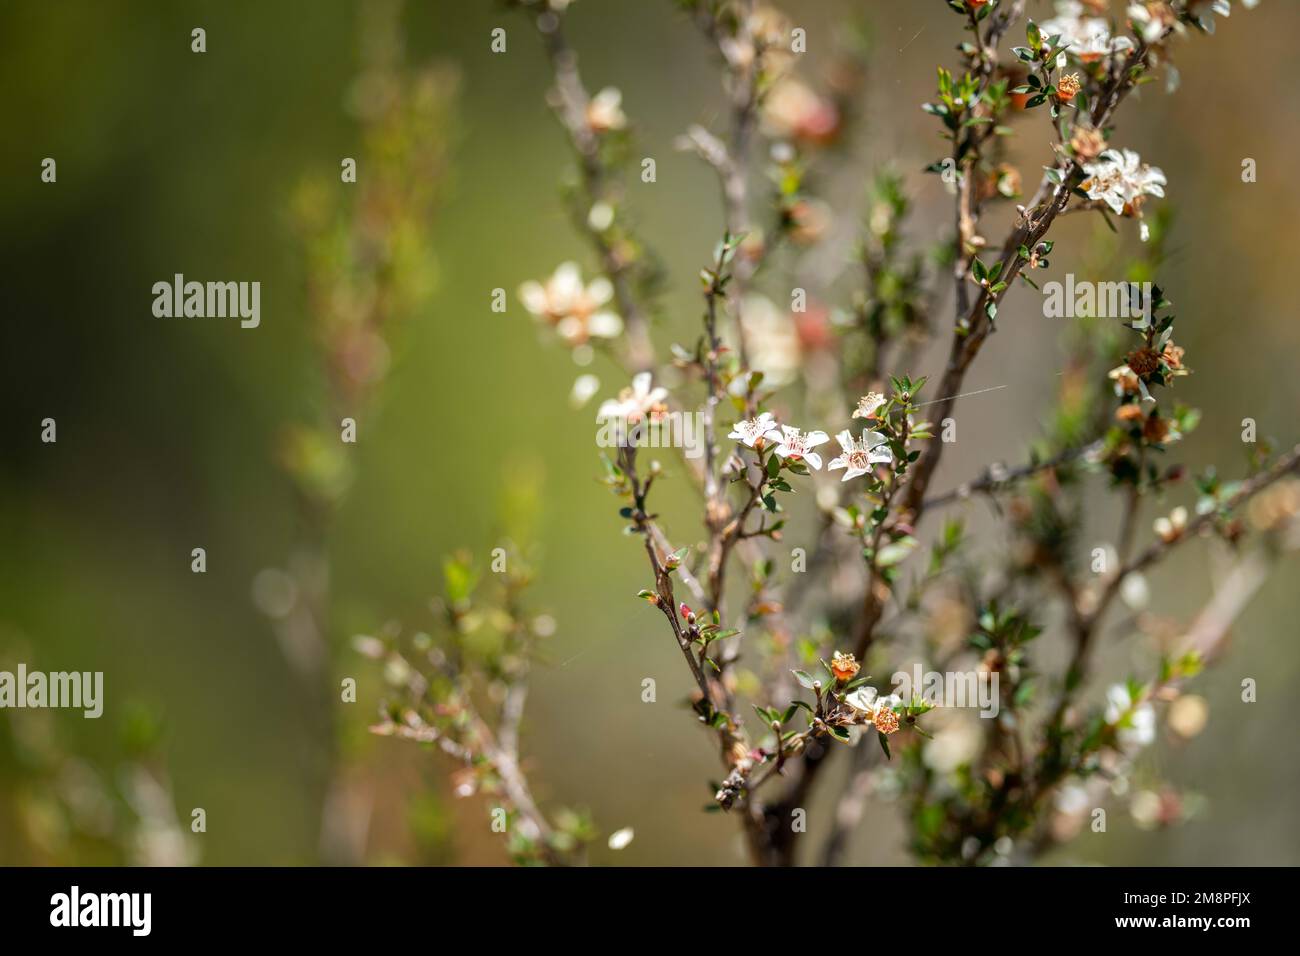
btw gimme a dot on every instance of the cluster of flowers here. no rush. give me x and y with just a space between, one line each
858 456
1083 30
867 704
1087 37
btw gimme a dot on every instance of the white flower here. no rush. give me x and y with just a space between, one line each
1088 38
863 700
584 387
868 404
1204 10
1134 591
1151 21
572 307
792 110
860 454
635 403
1120 179
1072 799
748 431
797 444
619 839
870 705
605 110
771 339
1171 529
1136 726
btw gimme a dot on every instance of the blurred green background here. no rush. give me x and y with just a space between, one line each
170 161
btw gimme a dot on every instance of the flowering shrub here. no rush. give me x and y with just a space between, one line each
870 579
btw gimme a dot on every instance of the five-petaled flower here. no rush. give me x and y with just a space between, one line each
877 710
1120 179
572 307
636 403
798 445
750 431
860 453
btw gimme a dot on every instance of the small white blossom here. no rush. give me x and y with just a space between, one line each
1088 38
748 431
571 306
771 339
1136 725
860 454
868 404
620 839
1120 179
584 387
1151 21
1171 528
635 403
797 444
1204 10
792 110
866 700
605 110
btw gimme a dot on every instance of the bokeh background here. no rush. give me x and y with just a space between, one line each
170 161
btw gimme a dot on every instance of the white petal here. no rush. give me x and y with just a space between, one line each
566 281
813 459
533 296
619 839
599 291
585 386
605 325
813 439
